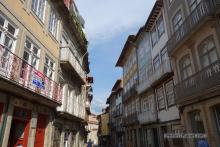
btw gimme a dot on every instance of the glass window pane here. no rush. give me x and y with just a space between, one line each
11 29
2 21
213 56
35 50
26 56
28 44
8 42
160 26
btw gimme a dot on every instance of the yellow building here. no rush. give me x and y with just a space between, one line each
104 124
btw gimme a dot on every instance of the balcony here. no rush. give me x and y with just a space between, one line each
130 93
20 78
69 61
164 71
205 82
117 113
203 11
147 117
131 119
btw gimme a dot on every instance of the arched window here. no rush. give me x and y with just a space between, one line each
207 52
185 67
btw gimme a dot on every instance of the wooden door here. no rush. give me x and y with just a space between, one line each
40 131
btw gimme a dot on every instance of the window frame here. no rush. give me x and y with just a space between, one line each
178 23
6 33
53 23
154 36
183 69
170 93
161 99
49 68
208 51
31 53
39 13
156 60
160 23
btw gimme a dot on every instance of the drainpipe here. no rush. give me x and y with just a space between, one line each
4 120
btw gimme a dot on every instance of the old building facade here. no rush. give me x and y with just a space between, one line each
41 104
93 126
116 114
128 62
177 66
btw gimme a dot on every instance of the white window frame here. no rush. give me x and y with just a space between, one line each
39 8
53 23
31 53
5 32
49 69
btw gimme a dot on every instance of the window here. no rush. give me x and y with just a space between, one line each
177 21
53 23
160 98
49 67
170 1
8 34
185 67
38 7
207 52
31 53
156 62
145 105
197 125
160 26
164 54
193 4
154 36
169 93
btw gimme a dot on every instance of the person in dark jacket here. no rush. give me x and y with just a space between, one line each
203 143
89 144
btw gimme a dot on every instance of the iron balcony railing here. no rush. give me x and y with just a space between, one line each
147 117
67 56
23 74
130 93
199 83
155 76
131 119
117 113
203 10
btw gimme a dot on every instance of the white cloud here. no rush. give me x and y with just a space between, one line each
105 19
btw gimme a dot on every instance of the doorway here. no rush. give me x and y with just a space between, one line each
40 131
19 128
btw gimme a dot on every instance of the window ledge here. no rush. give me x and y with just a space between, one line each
53 37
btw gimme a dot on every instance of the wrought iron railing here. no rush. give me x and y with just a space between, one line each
203 9
131 119
20 72
198 83
130 93
154 76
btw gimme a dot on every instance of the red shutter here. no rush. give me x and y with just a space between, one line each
40 131
1 111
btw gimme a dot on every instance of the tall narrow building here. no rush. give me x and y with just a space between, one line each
43 74
128 62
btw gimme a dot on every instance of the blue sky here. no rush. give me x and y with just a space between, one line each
108 24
